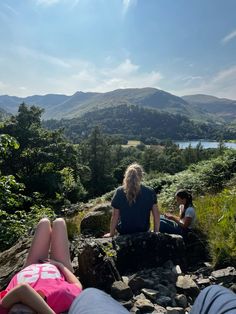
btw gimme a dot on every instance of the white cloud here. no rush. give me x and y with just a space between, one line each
40 56
229 37
220 84
127 4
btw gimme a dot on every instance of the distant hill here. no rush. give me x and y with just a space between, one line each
219 107
195 107
3 114
135 122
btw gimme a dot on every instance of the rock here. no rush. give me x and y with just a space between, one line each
96 269
96 222
203 282
121 291
164 301
144 305
137 283
135 310
12 261
181 300
127 304
225 275
177 270
186 285
148 249
164 291
150 293
175 310
159 309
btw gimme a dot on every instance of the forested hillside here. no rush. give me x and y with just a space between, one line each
195 107
134 122
42 173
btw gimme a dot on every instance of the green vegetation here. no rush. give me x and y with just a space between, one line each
147 125
42 173
217 219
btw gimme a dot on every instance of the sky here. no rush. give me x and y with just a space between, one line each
63 46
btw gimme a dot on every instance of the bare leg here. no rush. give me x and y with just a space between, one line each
60 244
41 243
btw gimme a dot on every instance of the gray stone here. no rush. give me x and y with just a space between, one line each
164 291
96 269
96 222
121 291
150 293
181 300
164 301
159 309
12 261
175 310
144 305
186 285
224 275
135 310
147 250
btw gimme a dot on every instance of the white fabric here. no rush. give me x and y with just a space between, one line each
190 212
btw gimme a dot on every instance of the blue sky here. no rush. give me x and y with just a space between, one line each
62 46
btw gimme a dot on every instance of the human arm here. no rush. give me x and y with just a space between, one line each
69 276
156 217
25 294
114 221
184 223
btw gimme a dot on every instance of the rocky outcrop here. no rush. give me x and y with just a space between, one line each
157 278
96 222
96 268
12 260
148 249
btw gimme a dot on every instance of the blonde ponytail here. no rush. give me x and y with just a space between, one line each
132 182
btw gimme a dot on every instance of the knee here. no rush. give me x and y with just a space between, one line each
59 222
44 222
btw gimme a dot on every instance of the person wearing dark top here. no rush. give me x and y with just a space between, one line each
132 204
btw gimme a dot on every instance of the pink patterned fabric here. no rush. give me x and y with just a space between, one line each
46 278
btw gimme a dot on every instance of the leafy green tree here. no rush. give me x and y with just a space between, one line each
95 152
41 157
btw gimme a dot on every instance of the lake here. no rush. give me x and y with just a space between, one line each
205 144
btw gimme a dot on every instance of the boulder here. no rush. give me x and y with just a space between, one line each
96 268
148 249
97 221
12 260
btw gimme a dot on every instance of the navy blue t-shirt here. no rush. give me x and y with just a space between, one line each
134 217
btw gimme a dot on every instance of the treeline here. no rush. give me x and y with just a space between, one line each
134 122
41 172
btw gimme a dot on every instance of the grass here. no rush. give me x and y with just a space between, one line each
217 219
132 144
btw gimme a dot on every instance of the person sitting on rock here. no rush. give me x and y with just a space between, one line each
172 224
44 286
132 204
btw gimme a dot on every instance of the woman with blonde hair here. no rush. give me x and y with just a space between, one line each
132 204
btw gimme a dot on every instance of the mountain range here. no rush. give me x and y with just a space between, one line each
196 107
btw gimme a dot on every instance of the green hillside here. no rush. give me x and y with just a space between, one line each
134 122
